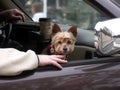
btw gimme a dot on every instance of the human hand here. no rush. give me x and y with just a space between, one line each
51 60
12 15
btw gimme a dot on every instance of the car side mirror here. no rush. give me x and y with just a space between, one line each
107 39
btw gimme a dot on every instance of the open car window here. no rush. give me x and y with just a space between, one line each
70 12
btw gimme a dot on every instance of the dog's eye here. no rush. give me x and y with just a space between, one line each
59 42
69 42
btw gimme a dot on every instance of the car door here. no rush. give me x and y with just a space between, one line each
85 70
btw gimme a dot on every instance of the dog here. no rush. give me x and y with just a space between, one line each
62 42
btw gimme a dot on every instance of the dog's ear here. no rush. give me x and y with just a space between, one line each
55 29
73 30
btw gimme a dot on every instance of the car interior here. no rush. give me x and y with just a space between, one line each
87 68
26 35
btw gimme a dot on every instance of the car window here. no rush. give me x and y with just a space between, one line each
117 2
71 12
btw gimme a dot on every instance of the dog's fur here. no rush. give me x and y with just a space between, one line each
63 42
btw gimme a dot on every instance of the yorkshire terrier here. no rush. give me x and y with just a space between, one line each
63 42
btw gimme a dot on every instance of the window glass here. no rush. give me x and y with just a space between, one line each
71 12
117 2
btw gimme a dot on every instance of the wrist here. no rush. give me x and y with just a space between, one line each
38 60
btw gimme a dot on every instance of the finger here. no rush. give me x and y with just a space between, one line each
16 18
23 17
19 13
60 60
56 64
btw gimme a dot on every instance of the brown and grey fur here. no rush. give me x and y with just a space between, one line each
63 42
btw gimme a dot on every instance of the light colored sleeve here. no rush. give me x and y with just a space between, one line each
14 62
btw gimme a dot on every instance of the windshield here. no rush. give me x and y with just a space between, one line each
71 12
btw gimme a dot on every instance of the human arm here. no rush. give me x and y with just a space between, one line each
12 15
14 62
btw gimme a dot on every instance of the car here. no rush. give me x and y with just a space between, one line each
86 69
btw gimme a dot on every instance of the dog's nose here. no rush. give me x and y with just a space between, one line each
65 49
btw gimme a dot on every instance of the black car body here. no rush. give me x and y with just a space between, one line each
85 70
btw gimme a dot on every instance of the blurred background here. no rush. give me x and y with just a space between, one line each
71 12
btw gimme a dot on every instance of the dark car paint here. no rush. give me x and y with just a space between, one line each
89 75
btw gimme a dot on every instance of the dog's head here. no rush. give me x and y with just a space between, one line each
63 42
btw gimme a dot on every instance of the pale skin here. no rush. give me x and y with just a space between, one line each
15 15
51 60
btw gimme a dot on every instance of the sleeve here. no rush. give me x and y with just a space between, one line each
14 62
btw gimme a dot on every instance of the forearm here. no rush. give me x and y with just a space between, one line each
13 62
